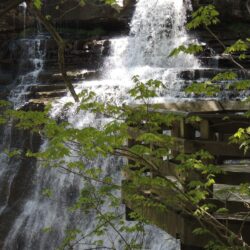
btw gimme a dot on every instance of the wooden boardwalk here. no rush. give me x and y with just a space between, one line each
218 122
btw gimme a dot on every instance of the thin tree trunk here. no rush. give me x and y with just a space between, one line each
60 43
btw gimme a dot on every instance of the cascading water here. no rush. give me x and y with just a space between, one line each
14 173
32 58
24 7
157 27
32 64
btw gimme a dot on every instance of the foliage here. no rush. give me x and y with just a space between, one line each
213 86
38 4
238 46
204 16
206 87
190 49
242 137
207 16
141 126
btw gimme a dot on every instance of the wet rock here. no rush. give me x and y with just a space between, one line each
5 79
88 15
14 20
80 54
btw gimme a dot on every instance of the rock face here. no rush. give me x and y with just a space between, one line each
85 27
88 15
85 30
12 26
14 20
80 54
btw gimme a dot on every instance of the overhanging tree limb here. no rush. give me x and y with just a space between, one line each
60 43
230 57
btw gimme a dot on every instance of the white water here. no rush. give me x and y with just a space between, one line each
7 173
24 7
157 27
33 57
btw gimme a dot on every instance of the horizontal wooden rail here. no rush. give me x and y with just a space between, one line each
216 148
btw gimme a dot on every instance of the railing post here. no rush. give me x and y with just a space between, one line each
186 130
204 129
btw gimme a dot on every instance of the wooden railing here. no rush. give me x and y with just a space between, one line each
211 133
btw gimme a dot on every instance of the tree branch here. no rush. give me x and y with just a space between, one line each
230 57
60 43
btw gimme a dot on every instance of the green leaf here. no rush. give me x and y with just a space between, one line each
47 193
150 137
238 46
38 4
189 49
225 76
222 210
140 149
204 16
207 88
200 231
47 229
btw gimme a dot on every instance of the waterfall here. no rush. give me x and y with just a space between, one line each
157 27
24 7
155 33
31 65
16 173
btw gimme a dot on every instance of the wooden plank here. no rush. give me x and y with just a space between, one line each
236 168
191 106
220 115
181 226
234 174
216 148
232 206
225 192
201 106
175 224
235 105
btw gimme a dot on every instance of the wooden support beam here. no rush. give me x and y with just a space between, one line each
214 132
181 226
234 174
205 129
232 206
216 148
175 130
186 130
